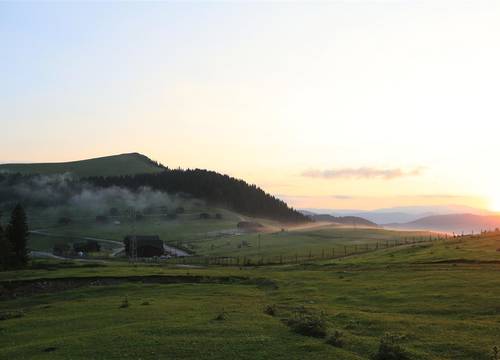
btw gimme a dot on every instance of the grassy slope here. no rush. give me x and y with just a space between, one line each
302 242
182 231
204 237
441 310
123 164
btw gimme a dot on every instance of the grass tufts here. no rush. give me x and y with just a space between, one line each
308 324
270 310
124 304
221 316
389 349
6 315
336 339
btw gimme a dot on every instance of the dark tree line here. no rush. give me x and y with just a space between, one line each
215 188
13 241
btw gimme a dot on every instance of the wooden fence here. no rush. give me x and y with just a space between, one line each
323 254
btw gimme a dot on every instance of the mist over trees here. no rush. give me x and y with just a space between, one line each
63 191
99 194
214 188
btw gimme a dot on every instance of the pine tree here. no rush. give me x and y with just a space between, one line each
5 250
17 235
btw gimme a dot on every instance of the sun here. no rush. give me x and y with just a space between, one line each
495 203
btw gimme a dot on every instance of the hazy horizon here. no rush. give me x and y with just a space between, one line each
346 105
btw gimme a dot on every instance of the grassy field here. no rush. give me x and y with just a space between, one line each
439 299
182 231
220 237
302 242
124 164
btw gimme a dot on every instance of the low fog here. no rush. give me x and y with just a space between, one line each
67 195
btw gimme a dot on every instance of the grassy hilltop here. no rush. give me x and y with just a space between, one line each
124 164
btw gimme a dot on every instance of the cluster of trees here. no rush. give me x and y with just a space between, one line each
215 188
13 240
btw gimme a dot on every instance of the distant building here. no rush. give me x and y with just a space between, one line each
249 226
147 245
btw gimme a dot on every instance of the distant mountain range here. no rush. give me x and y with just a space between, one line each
342 220
457 223
402 214
451 218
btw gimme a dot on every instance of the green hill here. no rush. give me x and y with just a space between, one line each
123 164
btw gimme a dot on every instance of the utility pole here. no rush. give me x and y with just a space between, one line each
133 238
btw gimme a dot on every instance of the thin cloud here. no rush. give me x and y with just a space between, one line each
342 197
361 173
337 197
436 196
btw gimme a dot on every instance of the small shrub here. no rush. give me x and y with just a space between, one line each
308 324
145 303
270 310
64 220
6 315
204 216
389 349
496 353
336 339
124 304
180 210
221 316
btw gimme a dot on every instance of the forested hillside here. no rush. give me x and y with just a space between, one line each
215 188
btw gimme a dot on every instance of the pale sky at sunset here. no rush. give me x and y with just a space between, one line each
352 104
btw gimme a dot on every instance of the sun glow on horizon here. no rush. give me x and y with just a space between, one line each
495 203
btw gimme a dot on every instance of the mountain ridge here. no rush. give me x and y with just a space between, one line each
466 223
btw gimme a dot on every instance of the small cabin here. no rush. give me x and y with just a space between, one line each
147 245
249 226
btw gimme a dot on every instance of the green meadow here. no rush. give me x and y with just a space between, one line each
438 299
221 237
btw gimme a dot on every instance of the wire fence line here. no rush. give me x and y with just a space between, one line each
336 252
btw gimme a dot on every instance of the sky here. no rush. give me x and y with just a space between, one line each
344 105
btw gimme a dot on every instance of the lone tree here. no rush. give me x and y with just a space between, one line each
5 250
17 236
